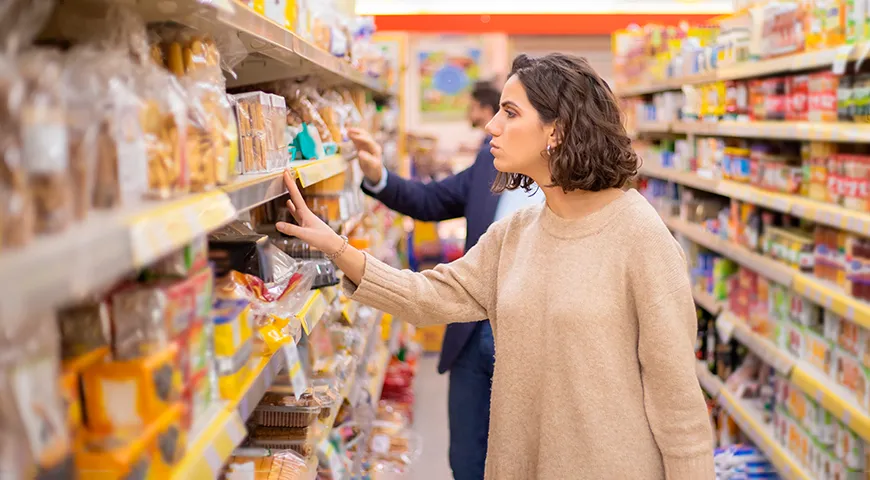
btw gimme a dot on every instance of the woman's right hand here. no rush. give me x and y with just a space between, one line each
309 228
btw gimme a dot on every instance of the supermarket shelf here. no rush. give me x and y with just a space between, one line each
250 191
58 269
87 257
376 386
765 266
729 325
653 127
846 132
750 421
789 63
273 51
833 298
709 382
706 301
216 436
818 212
834 398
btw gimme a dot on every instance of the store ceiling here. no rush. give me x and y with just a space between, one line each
484 7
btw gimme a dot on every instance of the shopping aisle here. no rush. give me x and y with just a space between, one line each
430 421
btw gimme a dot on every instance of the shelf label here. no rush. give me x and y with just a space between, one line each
725 328
842 58
294 368
863 49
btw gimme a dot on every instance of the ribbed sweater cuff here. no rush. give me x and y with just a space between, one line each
699 467
382 287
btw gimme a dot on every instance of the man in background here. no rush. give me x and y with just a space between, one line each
468 349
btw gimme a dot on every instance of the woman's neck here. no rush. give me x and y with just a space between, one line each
578 203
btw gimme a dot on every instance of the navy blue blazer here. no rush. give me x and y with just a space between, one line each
466 194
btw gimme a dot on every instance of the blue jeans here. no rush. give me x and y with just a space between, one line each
468 404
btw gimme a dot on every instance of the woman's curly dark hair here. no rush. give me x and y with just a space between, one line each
594 152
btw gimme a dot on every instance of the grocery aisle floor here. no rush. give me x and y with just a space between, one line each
430 421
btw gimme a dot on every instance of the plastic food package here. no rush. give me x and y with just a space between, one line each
16 206
44 140
181 263
282 299
287 465
278 124
233 343
254 132
34 438
390 447
145 317
279 410
163 116
84 328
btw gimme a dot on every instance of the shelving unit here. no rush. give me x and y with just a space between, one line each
749 419
790 63
274 52
815 211
728 325
706 301
709 382
92 255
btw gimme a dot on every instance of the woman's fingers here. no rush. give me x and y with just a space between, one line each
289 229
295 194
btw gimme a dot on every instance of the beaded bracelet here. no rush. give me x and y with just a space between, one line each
333 256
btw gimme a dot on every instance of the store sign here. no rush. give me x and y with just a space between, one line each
495 7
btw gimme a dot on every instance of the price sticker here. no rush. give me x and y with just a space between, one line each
725 328
294 368
381 444
863 50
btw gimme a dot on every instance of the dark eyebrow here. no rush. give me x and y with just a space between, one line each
508 103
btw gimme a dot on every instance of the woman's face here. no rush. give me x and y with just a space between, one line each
518 136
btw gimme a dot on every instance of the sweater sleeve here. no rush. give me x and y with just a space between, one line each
461 291
673 398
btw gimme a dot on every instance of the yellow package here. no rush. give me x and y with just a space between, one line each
131 394
150 453
233 342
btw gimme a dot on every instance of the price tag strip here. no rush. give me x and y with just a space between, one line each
212 447
312 311
834 398
169 226
760 434
294 367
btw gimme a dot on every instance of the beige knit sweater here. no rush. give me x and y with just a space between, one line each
594 329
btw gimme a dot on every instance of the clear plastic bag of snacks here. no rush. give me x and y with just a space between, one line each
163 119
16 206
34 439
44 140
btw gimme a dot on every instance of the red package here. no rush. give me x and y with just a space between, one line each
798 98
757 95
823 97
775 98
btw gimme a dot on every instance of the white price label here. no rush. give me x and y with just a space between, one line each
294 368
725 328
841 58
863 49
380 444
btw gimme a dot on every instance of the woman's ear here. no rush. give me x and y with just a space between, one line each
554 135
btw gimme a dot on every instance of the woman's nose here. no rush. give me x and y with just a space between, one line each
492 127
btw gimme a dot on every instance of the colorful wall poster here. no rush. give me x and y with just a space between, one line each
448 71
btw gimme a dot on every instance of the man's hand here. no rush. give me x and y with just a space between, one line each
370 154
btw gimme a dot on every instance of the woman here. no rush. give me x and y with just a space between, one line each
588 296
